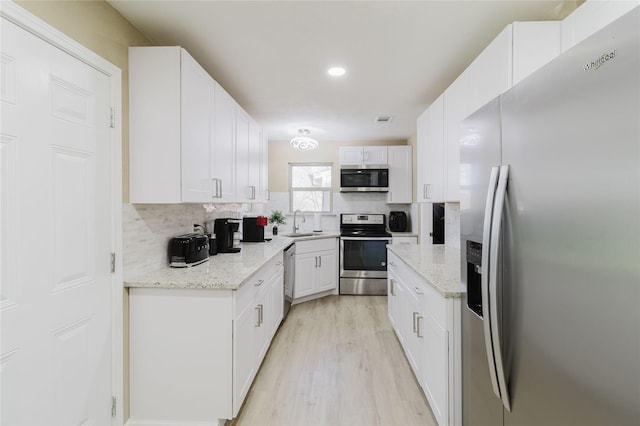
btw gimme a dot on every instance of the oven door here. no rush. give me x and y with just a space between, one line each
363 257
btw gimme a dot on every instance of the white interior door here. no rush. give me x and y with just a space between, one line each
56 343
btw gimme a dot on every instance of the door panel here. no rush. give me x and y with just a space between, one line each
56 295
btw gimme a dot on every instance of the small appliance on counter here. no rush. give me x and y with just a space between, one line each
253 229
398 222
188 250
224 229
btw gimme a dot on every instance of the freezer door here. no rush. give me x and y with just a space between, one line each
479 153
571 272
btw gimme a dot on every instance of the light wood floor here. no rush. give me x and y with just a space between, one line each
336 361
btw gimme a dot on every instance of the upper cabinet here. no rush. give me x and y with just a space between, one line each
431 158
590 17
400 163
190 142
363 155
520 49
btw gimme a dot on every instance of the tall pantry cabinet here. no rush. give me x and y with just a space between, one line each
190 142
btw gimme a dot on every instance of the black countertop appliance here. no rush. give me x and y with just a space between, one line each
224 228
253 229
398 222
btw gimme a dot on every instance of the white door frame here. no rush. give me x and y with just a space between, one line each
41 29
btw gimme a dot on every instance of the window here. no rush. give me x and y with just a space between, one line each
310 187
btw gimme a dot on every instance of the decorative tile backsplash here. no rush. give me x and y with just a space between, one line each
147 229
372 202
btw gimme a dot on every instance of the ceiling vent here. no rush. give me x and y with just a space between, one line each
384 119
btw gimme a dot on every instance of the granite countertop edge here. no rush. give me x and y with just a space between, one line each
224 271
438 265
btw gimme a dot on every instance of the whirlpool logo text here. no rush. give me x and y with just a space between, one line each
597 63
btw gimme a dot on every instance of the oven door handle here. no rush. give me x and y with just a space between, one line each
366 238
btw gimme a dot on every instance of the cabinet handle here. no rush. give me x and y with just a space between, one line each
418 332
259 283
392 283
220 184
252 196
428 191
278 263
316 259
260 312
258 309
215 187
319 261
415 315
418 290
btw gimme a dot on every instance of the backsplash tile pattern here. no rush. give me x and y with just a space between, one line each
372 202
147 229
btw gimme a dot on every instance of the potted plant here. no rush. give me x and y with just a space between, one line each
277 218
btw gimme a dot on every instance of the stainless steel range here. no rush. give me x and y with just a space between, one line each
363 254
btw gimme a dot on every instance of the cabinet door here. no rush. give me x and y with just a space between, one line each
305 273
243 189
327 271
422 171
436 369
534 45
457 101
196 104
264 314
223 156
433 145
255 161
414 329
400 175
374 155
244 354
277 300
351 155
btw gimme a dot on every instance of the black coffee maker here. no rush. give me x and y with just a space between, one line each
224 229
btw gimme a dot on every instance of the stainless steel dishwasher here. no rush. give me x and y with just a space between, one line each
289 277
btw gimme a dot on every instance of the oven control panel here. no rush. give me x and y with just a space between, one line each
362 219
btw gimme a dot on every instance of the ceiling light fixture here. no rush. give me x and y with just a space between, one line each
304 142
337 71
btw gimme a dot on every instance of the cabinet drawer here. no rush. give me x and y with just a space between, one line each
250 289
315 245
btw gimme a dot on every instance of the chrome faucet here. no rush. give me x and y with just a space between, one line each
295 227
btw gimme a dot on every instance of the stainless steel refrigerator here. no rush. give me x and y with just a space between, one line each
550 228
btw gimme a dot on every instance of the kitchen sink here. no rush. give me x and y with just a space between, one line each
302 234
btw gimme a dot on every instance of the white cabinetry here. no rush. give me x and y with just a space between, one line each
590 17
223 152
363 155
190 142
520 49
195 352
170 102
428 328
316 267
431 145
400 163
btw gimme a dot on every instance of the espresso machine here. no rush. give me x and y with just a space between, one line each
224 228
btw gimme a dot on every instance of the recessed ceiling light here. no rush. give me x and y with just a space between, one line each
337 71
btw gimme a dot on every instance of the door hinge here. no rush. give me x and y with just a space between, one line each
113 118
113 263
113 406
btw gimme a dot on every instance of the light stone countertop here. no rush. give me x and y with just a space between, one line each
438 265
224 271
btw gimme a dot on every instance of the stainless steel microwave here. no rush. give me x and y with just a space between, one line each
364 179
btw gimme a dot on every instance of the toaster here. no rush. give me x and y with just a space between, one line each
188 250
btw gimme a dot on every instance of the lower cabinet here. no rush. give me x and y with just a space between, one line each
428 328
316 267
195 352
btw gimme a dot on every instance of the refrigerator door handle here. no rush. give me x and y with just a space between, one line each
496 228
484 277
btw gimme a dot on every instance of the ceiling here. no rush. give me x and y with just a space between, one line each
273 56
